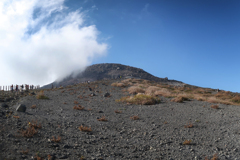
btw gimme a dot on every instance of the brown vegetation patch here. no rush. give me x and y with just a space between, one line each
118 84
215 106
215 157
134 117
31 130
187 142
190 125
33 106
117 111
135 90
56 140
180 99
236 99
140 99
103 119
151 90
85 129
79 107
17 117
25 152
75 102
40 95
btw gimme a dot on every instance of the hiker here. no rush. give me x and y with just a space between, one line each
16 88
12 88
52 86
22 86
21 89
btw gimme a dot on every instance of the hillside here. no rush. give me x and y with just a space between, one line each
109 71
137 119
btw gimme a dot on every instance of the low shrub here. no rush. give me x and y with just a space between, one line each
190 125
180 99
41 95
33 106
215 106
85 129
187 142
135 90
151 90
31 130
56 140
236 99
134 117
79 107
140 99
117 111
117 84
103 119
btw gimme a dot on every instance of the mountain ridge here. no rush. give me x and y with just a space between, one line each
106 71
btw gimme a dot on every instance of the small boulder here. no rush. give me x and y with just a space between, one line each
4 105
92 94
106 95
21 108
8 99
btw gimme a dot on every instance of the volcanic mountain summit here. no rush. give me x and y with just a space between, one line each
110 71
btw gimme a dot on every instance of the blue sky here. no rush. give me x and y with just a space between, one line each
197 42
193 41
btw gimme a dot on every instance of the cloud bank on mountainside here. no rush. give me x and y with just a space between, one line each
42 40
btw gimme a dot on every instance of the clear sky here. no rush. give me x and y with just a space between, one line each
193 41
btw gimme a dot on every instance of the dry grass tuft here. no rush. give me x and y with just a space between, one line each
49 157
75 102
140 99
190 125
215 157
41 95
135 90
163 92
151 90
25 152
215 106
236 99
33 106
118 84
56 140
180 99
31 130
17 117
134 117
187 142
103 119
85 129
79 107
117 111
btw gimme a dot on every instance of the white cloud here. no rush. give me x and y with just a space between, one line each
40 41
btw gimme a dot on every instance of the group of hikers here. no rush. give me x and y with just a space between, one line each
20 88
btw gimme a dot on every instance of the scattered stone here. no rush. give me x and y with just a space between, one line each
4 105
90 89
92 94
106 95
8 99
21 108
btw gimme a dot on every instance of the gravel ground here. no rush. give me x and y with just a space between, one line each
158 134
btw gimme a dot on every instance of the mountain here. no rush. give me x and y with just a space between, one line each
106 71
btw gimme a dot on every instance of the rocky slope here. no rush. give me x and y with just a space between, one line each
191 130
